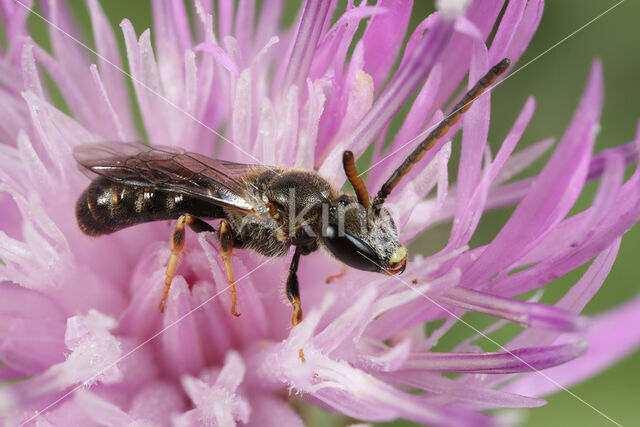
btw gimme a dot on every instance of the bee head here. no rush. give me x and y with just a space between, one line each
375 246
363 239
359 234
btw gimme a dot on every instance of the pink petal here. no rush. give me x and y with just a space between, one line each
519 360
455 64
553 193
24 345
156 402
604 350
394 95
106 109
268 411
244 24
526 28
219 404
110 62
215 340
182 350
220 55
531 314
508 26
101 411
253 322
382 40
309 30
522 159
445 388
419 120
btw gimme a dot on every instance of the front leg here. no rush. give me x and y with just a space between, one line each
225 234
293 288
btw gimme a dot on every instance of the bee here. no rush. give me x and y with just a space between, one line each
266 209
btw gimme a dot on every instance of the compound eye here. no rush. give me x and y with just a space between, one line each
350 250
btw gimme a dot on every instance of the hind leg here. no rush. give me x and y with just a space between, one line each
178 238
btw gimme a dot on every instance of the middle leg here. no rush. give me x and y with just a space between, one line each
293 288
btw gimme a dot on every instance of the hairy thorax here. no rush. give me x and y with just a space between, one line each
294 200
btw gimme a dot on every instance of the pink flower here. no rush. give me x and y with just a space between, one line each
81 336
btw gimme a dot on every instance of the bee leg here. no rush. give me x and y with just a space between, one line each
226 237
340 275
177 245
293 288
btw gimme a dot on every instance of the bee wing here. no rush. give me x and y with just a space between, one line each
168 168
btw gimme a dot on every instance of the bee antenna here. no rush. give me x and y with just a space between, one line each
440 130
354 178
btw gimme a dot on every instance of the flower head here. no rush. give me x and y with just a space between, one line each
82 335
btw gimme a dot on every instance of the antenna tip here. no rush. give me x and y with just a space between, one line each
502 65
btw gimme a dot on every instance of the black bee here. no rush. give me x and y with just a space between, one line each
265 209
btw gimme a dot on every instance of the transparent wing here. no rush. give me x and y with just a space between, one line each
169 168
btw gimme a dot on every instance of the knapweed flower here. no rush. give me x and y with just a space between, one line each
81 337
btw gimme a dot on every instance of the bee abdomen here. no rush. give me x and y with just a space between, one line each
87 222
106 206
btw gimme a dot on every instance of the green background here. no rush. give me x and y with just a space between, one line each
556 80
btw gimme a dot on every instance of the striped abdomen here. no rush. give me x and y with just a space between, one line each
106 206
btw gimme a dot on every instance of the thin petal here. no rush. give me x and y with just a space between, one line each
531 314
110 62
476 128
156 402
395 94
309 31
446 388
418 122
522 159
553 193
182 350
520 360
24 344
382 39
508 25
220 55
232 372
106 108
269 411
605 348
101 411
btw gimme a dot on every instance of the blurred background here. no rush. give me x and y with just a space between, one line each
556 79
